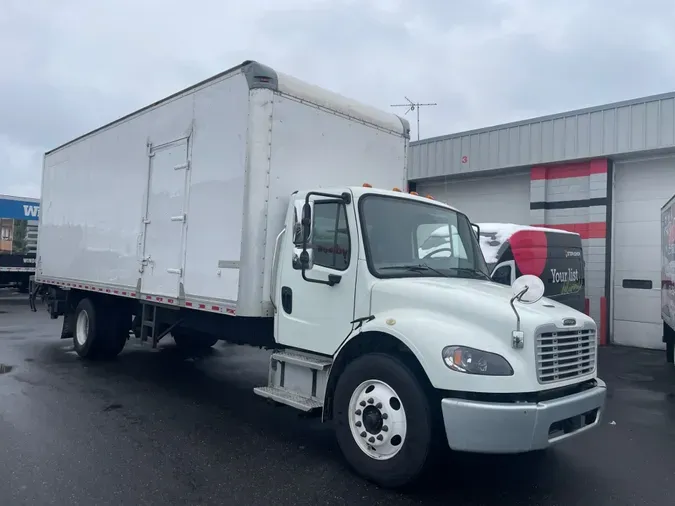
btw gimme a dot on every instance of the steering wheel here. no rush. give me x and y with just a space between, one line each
429 255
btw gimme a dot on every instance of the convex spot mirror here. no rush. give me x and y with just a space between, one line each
528 289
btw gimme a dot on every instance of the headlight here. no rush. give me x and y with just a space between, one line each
472 361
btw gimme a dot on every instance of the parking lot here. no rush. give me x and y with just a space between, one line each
155 427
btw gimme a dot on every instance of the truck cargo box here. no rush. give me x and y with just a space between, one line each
181 201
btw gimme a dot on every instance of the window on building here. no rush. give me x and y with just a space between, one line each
330 235
502 275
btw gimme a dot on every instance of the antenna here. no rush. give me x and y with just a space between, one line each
413 106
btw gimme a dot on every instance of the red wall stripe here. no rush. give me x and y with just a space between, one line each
569 170
592 230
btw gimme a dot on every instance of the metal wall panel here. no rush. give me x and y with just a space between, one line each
634 126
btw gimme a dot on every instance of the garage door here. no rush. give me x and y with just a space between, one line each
640 189
488 199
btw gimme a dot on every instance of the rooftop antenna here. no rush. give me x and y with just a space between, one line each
413 106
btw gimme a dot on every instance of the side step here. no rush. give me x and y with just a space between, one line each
297 379
291 399
308 360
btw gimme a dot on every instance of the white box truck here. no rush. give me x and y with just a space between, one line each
261 210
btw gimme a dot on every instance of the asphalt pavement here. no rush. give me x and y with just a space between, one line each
155 427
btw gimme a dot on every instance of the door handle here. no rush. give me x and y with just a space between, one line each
287 299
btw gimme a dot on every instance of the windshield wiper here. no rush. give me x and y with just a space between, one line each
474 273
414 268
424 267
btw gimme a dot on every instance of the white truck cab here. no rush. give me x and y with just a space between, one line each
406 336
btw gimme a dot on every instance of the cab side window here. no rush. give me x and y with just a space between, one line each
330 235
502 275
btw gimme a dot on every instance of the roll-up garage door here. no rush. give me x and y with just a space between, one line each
640 189
487 199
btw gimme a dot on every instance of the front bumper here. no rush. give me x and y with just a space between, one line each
486 427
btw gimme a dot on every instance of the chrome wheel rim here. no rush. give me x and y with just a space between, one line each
377 420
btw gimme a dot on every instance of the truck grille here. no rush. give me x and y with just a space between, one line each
563 355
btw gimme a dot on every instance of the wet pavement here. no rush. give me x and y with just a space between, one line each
153 427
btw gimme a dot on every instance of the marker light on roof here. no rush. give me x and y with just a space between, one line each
394 189
430 197
414 193
367 185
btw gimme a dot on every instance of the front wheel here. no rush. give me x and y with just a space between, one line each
384 421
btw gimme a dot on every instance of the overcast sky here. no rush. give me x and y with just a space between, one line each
69 66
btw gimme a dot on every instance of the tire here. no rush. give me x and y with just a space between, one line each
95 336
115 335
85 330
193 341
401 465
23 287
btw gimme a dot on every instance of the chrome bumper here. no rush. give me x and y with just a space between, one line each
486 427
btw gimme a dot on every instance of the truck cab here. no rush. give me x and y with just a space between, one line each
399 343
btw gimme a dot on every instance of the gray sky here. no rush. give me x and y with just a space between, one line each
69 66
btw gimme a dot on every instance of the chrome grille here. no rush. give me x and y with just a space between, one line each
565 354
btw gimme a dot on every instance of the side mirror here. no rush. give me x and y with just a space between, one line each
306 220
476 230
303 256
527 289
303 260
303 214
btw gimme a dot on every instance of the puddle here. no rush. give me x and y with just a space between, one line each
4 369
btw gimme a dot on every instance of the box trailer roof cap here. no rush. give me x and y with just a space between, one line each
259 75
353 109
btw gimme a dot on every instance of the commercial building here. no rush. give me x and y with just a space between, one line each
18 224
603 172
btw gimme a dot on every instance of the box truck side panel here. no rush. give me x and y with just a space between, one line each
117 196
217 189
317 147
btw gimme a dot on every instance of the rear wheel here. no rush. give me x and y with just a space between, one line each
98 334
384 421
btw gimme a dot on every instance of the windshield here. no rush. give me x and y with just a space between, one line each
409 238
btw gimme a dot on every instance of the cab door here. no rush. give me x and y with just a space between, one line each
313 314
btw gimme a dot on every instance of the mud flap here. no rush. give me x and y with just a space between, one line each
68 324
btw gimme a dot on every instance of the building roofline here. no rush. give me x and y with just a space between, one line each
549 117
20 199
